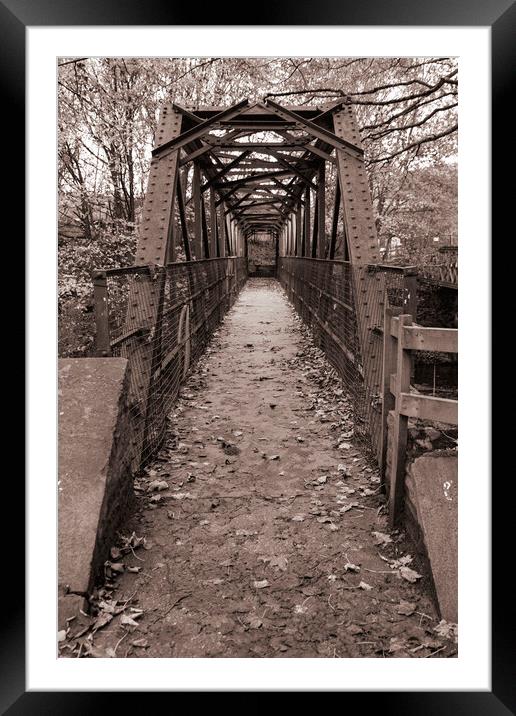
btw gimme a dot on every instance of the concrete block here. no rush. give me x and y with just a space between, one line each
95 482
434 476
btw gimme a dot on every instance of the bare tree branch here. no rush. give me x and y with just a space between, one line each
417 145
389 130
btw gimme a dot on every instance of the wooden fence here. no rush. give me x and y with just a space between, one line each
400 339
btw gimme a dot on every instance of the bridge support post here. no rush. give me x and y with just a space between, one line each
306 224
361 236
321 210
299 251
101 306
145 292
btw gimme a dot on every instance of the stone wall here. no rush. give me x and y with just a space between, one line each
95 481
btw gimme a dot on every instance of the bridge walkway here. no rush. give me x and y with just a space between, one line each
270 539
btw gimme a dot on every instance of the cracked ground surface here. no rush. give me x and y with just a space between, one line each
267 536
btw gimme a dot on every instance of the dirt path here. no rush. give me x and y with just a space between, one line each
262 543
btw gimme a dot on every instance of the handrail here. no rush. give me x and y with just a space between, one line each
147 268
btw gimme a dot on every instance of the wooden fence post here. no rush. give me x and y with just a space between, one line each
399 442
388 368
100 300
410 283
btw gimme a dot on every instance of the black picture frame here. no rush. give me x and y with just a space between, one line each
500 15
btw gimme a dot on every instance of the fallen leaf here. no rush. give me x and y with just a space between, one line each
109 606
401 562
135 541
126 620
157 485
61 635
347 490
181 496
280 562
101 621
254 623
448 630
366 491
381 538
349 507
260 584
406 609
409 574
431 644
140 643
364 585
355 630
95 652
397 644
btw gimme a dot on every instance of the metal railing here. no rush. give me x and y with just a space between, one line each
350 332
443 268
161 319
443 274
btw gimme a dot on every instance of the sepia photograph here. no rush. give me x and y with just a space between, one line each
258 357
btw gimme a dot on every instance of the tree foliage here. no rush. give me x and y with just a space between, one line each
108 112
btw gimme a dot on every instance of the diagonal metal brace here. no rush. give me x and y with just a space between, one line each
320 132
197 132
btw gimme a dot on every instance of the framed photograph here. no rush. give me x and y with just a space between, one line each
244 389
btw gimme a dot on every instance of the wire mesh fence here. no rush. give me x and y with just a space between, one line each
161 319
343 305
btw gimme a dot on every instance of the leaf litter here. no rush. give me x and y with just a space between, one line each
303 570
